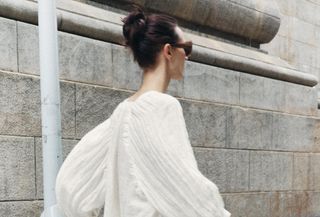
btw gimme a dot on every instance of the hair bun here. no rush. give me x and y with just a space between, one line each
134 26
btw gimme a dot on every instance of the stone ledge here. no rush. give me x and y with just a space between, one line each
92 22
255 20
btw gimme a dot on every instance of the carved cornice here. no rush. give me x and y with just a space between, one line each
256 20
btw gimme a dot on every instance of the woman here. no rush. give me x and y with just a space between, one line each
139 162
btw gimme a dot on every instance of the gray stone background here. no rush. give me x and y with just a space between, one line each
257 138
298 39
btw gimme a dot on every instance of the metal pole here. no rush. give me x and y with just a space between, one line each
50 103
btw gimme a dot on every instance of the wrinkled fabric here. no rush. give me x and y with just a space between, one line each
138 163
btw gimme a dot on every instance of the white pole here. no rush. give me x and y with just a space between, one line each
50 103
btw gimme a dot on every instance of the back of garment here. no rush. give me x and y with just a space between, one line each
137 163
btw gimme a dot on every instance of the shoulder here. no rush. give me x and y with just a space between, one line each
156 102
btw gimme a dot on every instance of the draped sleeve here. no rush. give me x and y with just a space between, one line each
80 183
165 166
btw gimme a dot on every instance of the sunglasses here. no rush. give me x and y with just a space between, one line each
187 46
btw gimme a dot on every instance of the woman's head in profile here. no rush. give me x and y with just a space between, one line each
156 40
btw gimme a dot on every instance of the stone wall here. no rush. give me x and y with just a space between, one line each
257 138
298 40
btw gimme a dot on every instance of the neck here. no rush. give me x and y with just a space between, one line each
155 79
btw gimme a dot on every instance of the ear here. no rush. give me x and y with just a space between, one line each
167 51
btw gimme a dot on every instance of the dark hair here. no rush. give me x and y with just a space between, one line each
146 35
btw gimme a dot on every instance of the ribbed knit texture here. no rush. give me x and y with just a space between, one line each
154 145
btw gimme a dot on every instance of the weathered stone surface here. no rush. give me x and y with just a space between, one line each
67 146
289 204
206 123
314 204
293 133
300 99
306 34
248 204
126 73
21 208
308 11
260 92
275 204
80 59
85 60
8 45
301 169
315 172
228 169
28 48
249 129
94 105
300 59
266 93
67 108
17 168
316 134
209 83
270 171
22 115
287 7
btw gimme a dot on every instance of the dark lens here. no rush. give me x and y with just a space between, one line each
188 50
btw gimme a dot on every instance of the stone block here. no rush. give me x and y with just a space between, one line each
248 204
301 30
126 73
17 168
249 129
293 133
307 11
28 48
22 116
21 208
67 146
314 172
296 57
84 59
94 105
228 169
206 123
300 99
67 108
209 83
287 7
80 58
316 135
261 92
270 171
289 204
300 171
314 204
8 45
271 94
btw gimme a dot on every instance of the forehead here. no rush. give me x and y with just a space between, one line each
180 34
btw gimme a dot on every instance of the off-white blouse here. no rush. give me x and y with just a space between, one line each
137 163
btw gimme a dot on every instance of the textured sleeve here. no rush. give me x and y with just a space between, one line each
80 183
165 166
